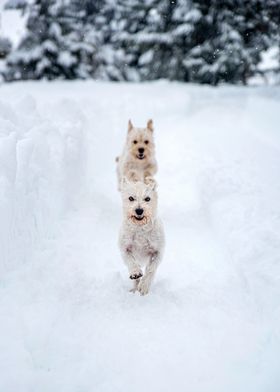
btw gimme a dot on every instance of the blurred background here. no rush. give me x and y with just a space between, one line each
199 41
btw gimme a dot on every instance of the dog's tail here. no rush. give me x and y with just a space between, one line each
117 159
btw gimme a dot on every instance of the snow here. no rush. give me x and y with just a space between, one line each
66 59
146 38
146 57
268 68
12 24
67 319
193 15
269 59
183 29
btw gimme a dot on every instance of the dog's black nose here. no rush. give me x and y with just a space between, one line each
141 150
139 211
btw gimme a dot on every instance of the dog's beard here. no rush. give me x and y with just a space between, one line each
146 156
141 157
139 221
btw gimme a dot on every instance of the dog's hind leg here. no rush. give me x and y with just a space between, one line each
145 283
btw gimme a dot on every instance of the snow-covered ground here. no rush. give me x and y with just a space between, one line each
67 319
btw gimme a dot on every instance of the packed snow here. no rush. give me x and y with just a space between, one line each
67 319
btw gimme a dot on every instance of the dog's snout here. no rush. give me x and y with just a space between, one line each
141 150
139 211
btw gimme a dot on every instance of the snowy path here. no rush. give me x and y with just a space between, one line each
67 320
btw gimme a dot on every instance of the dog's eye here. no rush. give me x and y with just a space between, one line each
146 141
147 198
135 141
131 198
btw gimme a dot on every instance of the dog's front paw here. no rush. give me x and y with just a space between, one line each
149 180
137 274
143 287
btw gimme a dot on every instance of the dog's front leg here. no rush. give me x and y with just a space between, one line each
145 283
134 176
133 269
150 171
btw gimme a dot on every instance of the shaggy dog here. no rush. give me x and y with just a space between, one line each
141 237
137 162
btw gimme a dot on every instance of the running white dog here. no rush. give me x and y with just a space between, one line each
137 162
141 236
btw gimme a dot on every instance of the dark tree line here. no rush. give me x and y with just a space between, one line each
203 41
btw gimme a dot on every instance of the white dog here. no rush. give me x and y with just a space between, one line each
141 236
137 162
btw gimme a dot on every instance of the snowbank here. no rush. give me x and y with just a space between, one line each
41 162
67 320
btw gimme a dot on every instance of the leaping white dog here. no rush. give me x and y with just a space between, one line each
141 237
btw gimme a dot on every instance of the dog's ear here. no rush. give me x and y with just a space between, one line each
150 125
130 125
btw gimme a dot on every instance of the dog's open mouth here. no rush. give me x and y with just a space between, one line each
141 156
139 220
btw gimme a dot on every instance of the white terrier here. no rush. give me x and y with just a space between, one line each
137 162
141 236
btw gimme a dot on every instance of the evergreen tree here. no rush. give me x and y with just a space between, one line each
15 4
5 47
228 40
147 40
204 41
109 61
54 46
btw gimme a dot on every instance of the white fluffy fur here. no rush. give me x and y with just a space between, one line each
129 164
141 242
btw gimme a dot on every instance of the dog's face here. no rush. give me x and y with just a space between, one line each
139 202
140 141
